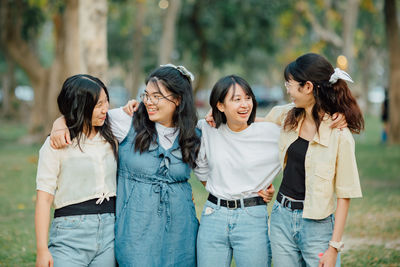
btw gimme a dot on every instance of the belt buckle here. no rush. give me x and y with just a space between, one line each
286 203
229 207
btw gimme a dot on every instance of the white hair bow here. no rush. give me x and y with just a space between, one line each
181 69
339 74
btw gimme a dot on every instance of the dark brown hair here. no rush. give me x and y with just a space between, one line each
219 92
77 100
184 117
329 98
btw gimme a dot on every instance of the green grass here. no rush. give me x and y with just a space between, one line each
372 231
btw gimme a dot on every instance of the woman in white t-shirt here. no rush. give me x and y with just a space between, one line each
80 182
237 159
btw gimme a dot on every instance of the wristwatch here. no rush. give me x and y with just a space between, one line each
337 245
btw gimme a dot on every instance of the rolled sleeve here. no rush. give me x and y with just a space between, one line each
347 181
202 170
48 169
120 123
277 114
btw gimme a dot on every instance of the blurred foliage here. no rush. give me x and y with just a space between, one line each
253 38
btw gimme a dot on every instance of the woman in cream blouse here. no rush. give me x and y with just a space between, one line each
80 182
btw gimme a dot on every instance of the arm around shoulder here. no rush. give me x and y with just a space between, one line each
277 114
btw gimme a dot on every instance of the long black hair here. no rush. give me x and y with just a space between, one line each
221 89
329 98
77 100
184 117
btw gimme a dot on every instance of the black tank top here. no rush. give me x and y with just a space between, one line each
293 183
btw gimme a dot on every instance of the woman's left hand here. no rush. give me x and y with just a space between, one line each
210 119
329 258
338 121
268 193
131 107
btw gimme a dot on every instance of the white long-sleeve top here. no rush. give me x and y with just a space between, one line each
238 164
122 122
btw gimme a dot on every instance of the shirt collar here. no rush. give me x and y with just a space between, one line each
324 132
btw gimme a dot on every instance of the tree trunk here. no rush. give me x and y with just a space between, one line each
80 46
393 40
349 27
201 68
168 35
366 62
8 85
138 42
93 37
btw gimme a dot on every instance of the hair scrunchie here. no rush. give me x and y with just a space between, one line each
339 74
182 70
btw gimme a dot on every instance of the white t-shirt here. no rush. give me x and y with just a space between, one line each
122 122
238 164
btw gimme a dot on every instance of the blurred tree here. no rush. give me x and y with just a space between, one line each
215 33
333 23
393 41
369 46
8 84
133 41
138 45
77 49
169 27
344 28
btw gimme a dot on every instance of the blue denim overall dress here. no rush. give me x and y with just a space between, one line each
156 221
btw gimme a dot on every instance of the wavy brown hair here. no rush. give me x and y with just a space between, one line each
329 98
184 117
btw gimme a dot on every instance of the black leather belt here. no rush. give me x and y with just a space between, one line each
86 208
287 203
234 204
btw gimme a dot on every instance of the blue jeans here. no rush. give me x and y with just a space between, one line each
241 232
83 240
296 241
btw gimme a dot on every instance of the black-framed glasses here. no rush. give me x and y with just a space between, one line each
153 98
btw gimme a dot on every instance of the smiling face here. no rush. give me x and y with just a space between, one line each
160 103
301 96
100 110
237 107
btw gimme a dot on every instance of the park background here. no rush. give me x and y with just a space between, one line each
42 42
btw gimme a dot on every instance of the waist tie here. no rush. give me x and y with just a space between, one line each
162 188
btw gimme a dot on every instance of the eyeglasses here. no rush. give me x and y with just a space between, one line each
153 98
288 84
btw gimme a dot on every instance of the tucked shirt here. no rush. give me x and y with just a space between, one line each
330 164
238 164
294 178
73 175
122 122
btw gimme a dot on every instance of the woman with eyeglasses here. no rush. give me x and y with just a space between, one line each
319 164
156 221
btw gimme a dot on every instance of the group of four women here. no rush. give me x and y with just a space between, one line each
236 159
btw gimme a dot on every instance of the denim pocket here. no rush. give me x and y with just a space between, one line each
68 222
52 234
275 206
208 211
257 211
324 220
